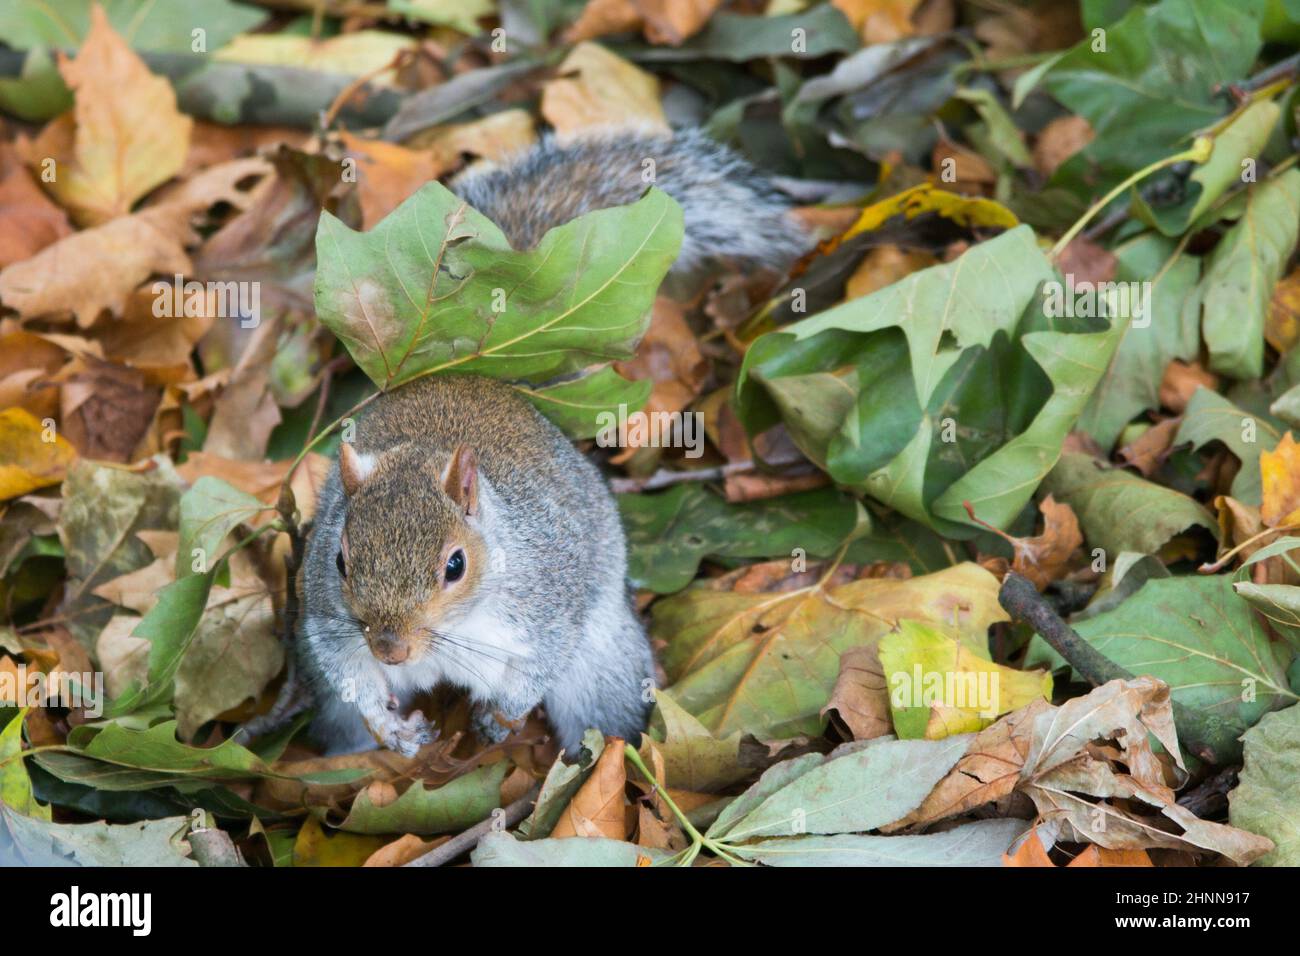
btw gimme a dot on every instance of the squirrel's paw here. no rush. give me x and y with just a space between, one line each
405 735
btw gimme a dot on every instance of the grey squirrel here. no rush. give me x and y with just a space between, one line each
462 538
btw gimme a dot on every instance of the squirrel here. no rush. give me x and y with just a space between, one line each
461 537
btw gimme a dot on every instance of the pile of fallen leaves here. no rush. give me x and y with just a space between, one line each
1049 329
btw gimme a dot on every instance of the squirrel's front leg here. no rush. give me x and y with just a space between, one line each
494 721
381 711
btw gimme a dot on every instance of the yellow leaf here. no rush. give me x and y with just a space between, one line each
964 210
1280 476
939 686
879 21
314 847
27 460
361 53
1283 326
124 136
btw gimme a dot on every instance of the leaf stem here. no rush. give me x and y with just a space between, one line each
1199 152
698 840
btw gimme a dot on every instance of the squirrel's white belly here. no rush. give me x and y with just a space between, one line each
481 653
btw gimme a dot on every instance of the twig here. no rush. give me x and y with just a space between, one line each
665 477
1201 733
464 842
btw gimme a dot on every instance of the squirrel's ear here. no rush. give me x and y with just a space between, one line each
460 478
354 468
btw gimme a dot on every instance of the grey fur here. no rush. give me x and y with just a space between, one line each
559 588
730 208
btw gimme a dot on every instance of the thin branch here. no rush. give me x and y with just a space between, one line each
464 842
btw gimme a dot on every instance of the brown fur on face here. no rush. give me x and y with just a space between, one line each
400 602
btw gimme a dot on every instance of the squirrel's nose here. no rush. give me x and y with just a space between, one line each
390 648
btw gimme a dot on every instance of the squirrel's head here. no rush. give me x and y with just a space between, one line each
412 552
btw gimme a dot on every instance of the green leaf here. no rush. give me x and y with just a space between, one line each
864 789
1241 272
503 849
578 406
38 92
1118 511
940 686
166 26
562 781
15 785
694 759
457 14
1211 417
1131 383
1244 138
435 287
739 37
1200 638
670 532
981 843
209 511
456 805
889 392
169 627
147 843
1154 83
1264 801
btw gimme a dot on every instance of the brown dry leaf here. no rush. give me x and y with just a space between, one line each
158 332
669 356
261 479
885 265
859 703
29 221
387 174
245 414
1087 261
106 408
1059 140
128 138
1095 794
97 269
988 771
403 850
1031 852
1180 382
27 362
32 455
602 17
596 88
879 21
1103 856
493 138
1043 558
599 808
662 21
970 171
1149 450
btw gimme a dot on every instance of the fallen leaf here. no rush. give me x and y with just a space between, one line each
32 454
599 808
596 88
125 135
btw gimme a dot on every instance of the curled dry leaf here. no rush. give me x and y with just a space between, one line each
600 807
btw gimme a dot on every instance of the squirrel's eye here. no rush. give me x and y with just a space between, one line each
338 563
455 566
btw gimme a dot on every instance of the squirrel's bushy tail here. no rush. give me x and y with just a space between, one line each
730 208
